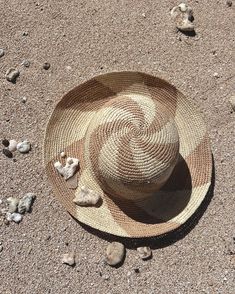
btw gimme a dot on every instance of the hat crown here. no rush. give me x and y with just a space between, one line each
131 146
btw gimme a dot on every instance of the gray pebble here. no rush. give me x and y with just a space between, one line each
26 202
7 153
1 52
12 204
46 65
15 217
23 147
12 74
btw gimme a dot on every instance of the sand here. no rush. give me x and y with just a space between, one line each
81 39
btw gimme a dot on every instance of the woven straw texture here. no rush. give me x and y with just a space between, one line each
142 145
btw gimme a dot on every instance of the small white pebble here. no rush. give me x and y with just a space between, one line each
23 147
68 258
24 99
183 7
12 145
144 15
216 75
1 52
15 217
62 154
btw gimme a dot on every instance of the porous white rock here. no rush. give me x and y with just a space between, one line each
115 253
12 145
86 197
12 204
24 146
183 15
26 202
69 169
68 258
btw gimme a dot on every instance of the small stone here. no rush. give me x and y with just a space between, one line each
1 248
144 15
24 99
136 270
26 202
24 146
12 74
216 75
229 3
12 204
1 52
106 277
12 145
7 153
5 142
62 154
86 197
25 33
15 217
68 258
46 65
115 253
25 63
144 252
232 102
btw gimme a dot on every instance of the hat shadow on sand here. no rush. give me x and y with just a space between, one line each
168 238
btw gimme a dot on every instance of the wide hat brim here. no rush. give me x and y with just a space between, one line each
175 202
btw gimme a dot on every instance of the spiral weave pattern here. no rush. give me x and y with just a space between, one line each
132 142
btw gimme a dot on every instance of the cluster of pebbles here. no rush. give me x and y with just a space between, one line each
12 146
13 73
15 208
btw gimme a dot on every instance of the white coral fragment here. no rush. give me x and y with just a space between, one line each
12 204
115 253
183 15
15 217
86 197
69 169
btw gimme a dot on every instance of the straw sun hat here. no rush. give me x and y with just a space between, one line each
142 146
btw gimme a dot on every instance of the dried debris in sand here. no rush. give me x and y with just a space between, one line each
144 252
86 197
115 253
69 169
68 258
183 17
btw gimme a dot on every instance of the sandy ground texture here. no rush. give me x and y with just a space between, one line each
81 39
